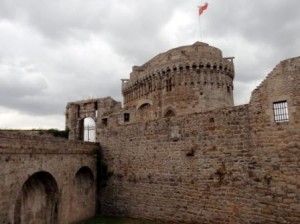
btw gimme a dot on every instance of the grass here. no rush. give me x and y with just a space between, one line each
52 131
117 220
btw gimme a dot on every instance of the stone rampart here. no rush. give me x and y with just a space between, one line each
202 168
185 168
230 165
46 178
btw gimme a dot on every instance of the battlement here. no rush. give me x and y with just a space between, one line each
183 80
180 57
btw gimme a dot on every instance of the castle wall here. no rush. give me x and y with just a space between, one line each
276 145
231 165
184 168
34 169
282 84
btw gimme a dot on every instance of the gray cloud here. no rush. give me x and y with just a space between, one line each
57 51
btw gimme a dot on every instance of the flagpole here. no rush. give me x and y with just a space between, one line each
199 30
200 11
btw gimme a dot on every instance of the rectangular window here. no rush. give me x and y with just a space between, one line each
78 110
96 109
126 117
281 113
104 121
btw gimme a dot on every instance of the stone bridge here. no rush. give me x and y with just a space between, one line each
46 179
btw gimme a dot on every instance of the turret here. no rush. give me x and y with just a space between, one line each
183 80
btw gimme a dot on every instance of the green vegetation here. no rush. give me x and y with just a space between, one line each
58 133
117 220
53 132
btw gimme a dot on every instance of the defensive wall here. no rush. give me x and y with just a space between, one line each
46 179
231 165
191 162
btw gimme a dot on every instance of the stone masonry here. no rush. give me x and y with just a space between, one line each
183 80
179 151
46 180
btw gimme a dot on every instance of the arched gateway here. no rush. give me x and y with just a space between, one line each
38 200
83 201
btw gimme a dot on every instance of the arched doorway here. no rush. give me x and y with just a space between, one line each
144 111
169 113
89 130
83 198
38 200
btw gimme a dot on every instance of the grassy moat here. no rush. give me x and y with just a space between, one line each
117 220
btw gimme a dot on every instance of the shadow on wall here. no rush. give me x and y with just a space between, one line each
38 200
83 201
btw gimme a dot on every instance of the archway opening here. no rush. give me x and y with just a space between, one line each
169 113
89 133
84 177
144 111
38 200
83 199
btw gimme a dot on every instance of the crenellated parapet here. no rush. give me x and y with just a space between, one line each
189 79
147 81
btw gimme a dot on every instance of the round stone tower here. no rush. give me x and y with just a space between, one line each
183 80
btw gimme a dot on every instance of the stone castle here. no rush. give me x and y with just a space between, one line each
178 150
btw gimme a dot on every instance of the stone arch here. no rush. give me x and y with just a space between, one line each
201 65
220 66
180 67
144 107
158 73
38 200
142 104
84 174
169 112
83 197
144 111
174 68
187 66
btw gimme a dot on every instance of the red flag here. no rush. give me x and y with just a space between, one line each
202 8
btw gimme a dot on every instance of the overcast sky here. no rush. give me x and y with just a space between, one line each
56 51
